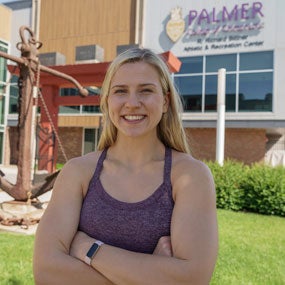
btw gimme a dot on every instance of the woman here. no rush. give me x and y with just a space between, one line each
141 209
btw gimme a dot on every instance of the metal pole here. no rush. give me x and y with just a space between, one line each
220 138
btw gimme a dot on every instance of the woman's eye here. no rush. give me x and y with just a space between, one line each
146 91
120 91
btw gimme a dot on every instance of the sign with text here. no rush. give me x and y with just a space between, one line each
210 26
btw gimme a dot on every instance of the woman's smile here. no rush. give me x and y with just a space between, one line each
134 118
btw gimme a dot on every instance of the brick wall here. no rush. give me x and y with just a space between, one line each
71 138
247 145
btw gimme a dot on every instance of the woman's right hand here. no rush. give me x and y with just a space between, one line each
164 247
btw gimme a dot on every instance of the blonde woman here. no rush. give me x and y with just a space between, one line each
141 209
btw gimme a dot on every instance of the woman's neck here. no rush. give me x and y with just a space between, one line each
137 151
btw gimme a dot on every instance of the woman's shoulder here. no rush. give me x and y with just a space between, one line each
184 162
188 171
82 165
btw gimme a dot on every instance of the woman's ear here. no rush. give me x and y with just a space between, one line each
166 102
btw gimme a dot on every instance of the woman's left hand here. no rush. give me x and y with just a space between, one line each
80 245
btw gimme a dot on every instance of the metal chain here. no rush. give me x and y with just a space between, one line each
48 114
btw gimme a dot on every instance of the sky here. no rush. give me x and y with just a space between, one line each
5 1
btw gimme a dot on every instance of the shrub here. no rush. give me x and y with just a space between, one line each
228 179
257 188
264 190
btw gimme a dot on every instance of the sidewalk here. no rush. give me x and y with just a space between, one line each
11 209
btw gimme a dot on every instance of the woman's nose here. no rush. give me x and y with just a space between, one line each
133 100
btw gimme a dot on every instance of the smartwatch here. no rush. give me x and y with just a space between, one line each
92 251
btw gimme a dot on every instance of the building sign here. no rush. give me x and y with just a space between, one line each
176 25
217 29
210 27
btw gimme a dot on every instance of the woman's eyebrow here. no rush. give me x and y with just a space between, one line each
140 85
118 86
144 84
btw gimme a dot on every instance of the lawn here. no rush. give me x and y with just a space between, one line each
252 252
252 249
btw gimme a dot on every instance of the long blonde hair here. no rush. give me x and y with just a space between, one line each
170 130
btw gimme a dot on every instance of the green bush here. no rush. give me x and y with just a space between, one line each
257 188
228 179
265 190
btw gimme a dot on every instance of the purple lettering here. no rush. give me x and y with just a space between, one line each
244 11
229 16
204 16
256 9
192 16
215 20
239 12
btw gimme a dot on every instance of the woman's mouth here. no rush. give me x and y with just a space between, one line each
133 118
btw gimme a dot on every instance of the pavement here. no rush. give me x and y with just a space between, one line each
9 208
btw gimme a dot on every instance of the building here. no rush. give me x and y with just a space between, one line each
5 38
244 37
69 39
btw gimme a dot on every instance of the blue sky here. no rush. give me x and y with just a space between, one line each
5 1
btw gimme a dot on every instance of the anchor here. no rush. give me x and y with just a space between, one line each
29 72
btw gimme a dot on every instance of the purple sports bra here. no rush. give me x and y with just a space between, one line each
132 226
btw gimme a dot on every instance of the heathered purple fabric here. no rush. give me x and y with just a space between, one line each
132 226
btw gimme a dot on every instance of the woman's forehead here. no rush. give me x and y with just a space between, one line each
136 71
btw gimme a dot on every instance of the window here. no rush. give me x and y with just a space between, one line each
249 82
91 137
3 94
255 91
3 61
215 62
191 65
93 90
190 89
14 94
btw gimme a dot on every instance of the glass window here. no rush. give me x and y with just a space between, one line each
215 62
211 89
1 146
13 102
230 92
255 73
211 93
69 109
2 88
68 92
3 66
3 69
255 91
2 109
90 109
190 88
191 65
89 140
14 94
256 60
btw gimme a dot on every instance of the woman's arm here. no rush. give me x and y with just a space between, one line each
52 262
193 237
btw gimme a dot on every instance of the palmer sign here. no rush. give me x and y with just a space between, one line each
217 28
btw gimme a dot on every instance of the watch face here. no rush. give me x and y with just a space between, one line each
92 250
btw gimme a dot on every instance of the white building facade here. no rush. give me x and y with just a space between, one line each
244 37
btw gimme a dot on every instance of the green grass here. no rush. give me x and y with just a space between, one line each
252 249
16 259
252 252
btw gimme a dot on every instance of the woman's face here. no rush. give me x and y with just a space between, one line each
136 101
